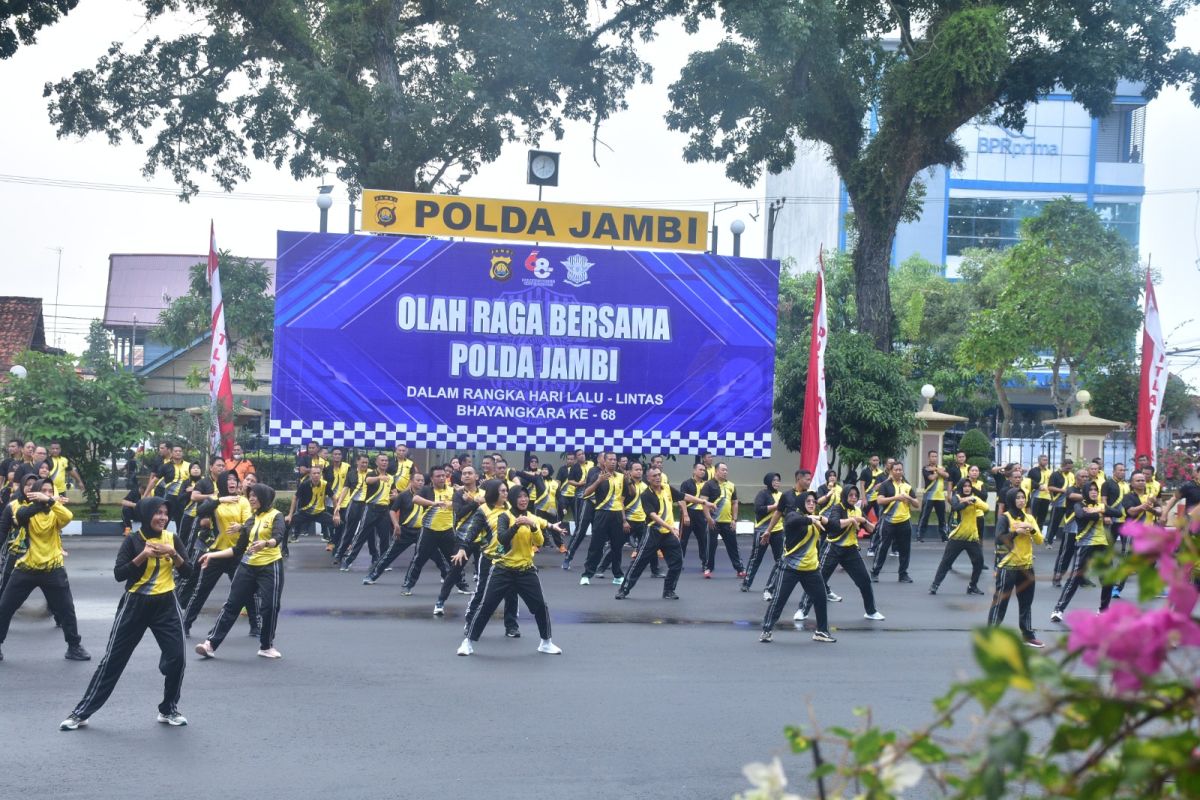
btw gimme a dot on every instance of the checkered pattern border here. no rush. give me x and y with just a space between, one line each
381 435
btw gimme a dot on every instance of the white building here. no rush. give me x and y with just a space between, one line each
1006 176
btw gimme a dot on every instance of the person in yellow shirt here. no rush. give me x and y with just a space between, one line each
513 540
658 501
13 541
1014 574
933 497
1093 518
610 490
964 538
335 481
842 523
259 572
229 512
41 566
895 500
801 564
437 524
60 468
723 494
765 503
147 562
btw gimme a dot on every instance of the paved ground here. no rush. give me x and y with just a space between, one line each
650 699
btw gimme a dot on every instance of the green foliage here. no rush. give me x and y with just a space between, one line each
249 316
1115 390
392 95
975 443
1121 724
20 21
99 347
93 419
817 71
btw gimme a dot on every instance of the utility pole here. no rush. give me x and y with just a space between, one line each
57 284
772 212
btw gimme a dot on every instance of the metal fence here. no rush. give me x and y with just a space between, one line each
1028 440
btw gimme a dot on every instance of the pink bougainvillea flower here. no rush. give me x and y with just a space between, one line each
1152 540
1136 643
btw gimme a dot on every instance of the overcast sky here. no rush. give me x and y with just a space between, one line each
640 163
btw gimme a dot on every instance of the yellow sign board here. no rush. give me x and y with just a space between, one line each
489 218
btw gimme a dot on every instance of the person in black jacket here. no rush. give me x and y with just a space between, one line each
146 563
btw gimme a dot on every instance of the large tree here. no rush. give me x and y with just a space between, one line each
884 86
1066 295
92 417
397 94
869 399
20 21
249 316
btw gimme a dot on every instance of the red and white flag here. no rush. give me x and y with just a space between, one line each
1154 376
812 431
220 389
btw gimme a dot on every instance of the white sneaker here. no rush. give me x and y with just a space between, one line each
439 610
585 581
833 598
174 718
800 615
549 648
71 723
767 596
270 652
875 616
466 648
205 649
1056 616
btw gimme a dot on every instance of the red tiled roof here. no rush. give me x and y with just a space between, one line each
143 284
21 328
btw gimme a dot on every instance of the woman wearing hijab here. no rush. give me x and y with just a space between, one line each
260 571
147 562
800 565
843 521
765 503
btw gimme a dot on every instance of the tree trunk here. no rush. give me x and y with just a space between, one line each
872 264
1006 409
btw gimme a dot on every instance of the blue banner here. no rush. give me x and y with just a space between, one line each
442 344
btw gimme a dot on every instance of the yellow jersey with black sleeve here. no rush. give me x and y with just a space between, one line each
872 477
157 573
403 475
359 486
439 520
634 510
335 481
546 501
935 484
173 476
835 534
610 494
264 527
763 511
225 515
971 510
689 486
203 485
726 498
1092 530
379 493
800 538
831 497
516 544
662 503
316 503
59 467
1020 554
894 511
43 523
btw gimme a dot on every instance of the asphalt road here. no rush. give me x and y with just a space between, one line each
651 698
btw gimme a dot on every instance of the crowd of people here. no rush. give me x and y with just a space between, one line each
192 525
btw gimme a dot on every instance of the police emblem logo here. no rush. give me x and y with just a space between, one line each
385 215
577 270
501 264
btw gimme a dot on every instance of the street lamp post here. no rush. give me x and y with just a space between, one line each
737 228
324 201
